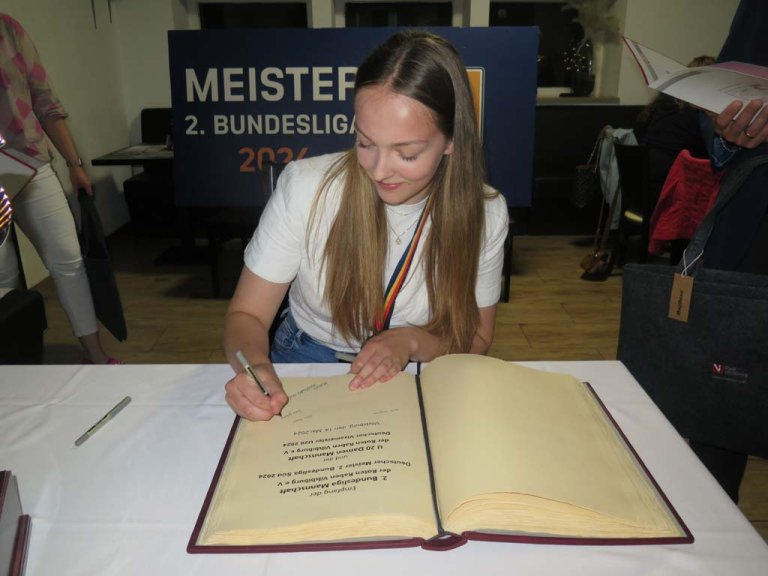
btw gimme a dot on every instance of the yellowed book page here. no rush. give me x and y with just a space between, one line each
337 465
496 427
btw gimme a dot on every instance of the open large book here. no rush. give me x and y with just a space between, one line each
473 448
710 87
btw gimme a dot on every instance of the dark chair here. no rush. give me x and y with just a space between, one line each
229 223
22 324
22 319
149 194
632 162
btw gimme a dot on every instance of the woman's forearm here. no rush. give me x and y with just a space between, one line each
57 130
483 338
245 333
425 345
480 344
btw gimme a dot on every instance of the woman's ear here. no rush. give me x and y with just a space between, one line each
448 148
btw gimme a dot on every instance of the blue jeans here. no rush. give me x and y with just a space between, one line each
292 345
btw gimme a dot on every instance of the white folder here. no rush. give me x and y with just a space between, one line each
16 170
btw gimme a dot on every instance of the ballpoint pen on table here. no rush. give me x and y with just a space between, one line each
106 418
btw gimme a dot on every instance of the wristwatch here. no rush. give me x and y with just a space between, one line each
73 163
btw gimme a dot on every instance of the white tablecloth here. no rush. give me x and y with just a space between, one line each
125 502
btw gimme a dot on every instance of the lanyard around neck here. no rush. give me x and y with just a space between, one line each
401 271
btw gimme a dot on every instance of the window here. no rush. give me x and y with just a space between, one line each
253 15
398 14
558 34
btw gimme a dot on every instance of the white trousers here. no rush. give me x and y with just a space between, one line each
43 214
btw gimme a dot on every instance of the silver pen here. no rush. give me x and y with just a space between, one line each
106 418
251 373
345 357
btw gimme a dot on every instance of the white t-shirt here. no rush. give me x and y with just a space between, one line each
279 252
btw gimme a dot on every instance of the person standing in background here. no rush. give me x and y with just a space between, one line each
739 239
740 125
29 110
667 126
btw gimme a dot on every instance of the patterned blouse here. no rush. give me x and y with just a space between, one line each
25 93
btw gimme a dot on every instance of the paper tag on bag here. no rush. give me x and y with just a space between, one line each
680 299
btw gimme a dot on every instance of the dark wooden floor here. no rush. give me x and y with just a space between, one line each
552 315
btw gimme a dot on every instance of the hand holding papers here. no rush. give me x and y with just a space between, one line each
735 91
743 125
711 87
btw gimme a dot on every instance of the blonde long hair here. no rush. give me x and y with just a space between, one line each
427 68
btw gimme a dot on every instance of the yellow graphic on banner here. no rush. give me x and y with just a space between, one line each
477 85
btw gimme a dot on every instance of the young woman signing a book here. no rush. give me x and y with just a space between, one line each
392 251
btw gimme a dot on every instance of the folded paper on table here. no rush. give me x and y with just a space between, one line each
474 448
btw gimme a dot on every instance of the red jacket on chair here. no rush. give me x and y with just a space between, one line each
689 190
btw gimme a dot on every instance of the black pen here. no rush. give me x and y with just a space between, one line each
251 373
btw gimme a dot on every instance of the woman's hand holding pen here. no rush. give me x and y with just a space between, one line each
258 395
248 401
382 357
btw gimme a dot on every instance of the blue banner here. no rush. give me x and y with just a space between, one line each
241 98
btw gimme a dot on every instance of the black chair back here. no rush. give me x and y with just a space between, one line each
223 223
155 125
632 162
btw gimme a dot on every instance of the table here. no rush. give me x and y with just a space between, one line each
125 502
136 155
157 161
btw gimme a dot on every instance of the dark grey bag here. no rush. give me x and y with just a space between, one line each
709 376
98 266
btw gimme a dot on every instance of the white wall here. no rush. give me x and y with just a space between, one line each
142 46
680 29
82 61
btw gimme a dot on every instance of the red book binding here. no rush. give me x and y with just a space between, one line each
14 527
